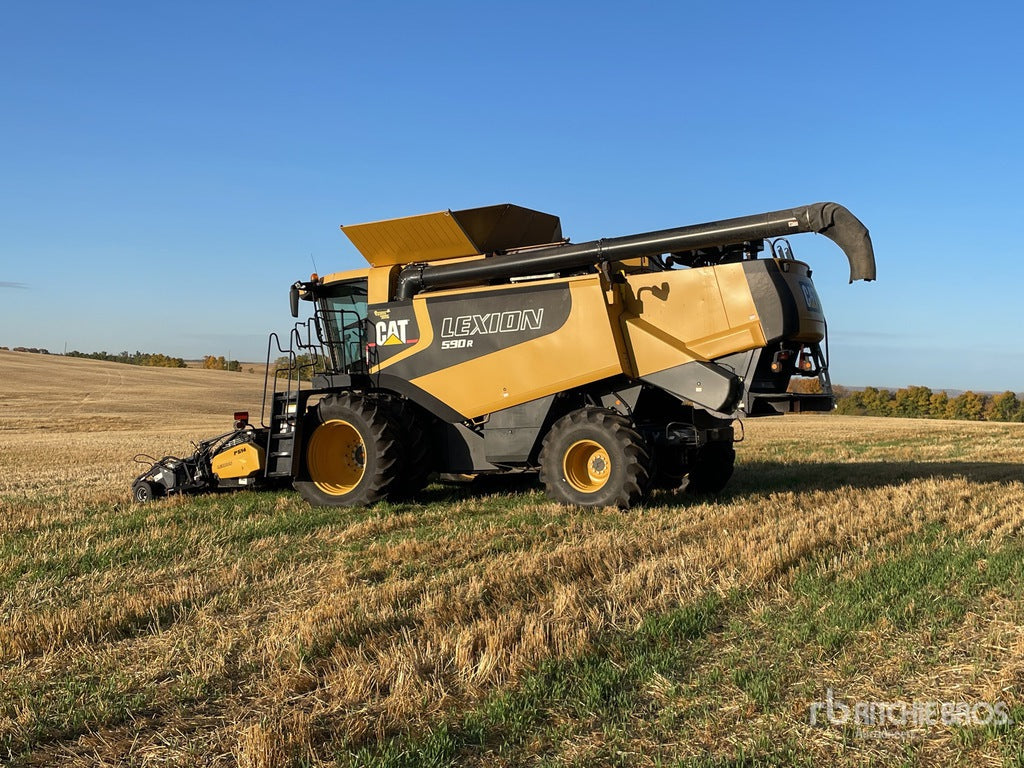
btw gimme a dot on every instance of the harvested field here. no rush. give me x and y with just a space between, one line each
879 559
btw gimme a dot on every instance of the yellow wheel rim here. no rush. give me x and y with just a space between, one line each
336 457
586 466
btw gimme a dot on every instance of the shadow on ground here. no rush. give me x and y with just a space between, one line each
767 476
762 477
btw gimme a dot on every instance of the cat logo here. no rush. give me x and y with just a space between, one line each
393 332
810 296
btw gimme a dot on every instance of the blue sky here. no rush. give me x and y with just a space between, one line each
169 169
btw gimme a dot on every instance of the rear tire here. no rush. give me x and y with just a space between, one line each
352 455
669 469
594 458
712 468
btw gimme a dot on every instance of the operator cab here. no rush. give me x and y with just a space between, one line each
339 321
341 324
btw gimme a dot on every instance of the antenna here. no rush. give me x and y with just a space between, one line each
315 270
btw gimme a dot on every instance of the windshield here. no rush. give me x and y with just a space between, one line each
344 311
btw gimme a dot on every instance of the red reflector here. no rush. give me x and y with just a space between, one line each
241 415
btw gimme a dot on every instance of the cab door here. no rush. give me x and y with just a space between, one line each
343 324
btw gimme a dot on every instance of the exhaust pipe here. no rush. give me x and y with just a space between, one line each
829 219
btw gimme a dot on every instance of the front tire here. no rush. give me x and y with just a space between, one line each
594 458
144 492
352 454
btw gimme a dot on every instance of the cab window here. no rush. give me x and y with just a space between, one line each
344 314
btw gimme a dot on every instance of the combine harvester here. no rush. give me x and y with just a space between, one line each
482 342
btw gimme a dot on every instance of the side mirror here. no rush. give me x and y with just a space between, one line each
293 299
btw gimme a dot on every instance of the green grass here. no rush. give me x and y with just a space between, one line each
66 707
930 582
602 687
744 609
717 652
702 657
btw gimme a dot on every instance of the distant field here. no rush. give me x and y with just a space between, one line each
72 425
881 559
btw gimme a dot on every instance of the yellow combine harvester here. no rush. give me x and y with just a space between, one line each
482 341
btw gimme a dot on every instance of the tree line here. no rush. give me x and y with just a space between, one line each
303 367
922 402
35 350
155 359
220 364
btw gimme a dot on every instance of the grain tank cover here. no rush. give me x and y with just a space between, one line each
452 234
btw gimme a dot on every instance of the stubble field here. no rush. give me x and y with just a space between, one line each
851 559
